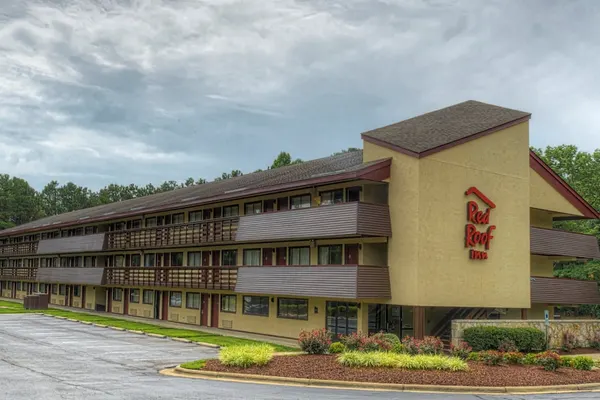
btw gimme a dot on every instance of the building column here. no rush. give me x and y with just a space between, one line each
419 322
523 313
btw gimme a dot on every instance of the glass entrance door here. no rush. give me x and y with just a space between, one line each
391 319
342 317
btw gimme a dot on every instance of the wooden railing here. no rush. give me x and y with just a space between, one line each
211 231
221 278
18 273
16 249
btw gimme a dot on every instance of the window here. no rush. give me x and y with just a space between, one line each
292 308
194 259
77 291
150 222
252 257
19 286
176 259
148 297
136 224
342 317
195 216
54 289
231 211
90 230
134 295
229 257
269 206
192 300
136 260
149 260
353 194
89 261
302 201
42 288
300 256
119 261
62 290
256 305
332 197
175 299
228 303
117 294
253 208
177 218
330 255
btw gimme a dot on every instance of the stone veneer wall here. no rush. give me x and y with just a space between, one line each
584 330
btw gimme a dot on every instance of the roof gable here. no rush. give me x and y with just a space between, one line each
438 130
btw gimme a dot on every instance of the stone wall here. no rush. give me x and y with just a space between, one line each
584 330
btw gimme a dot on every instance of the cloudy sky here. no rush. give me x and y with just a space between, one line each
101 91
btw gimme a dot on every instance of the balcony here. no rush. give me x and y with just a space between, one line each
563 291
18 249
72 276
556 243
340 220
25 274
331 281
72 244
217 278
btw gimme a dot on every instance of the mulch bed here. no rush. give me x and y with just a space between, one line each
576 352
326 367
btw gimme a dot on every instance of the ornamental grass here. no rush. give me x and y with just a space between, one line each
246 356
405 361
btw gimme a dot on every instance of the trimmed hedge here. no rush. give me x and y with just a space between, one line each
482 338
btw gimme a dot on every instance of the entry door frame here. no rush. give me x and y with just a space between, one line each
351 252
214 312
157 303
82 294
281 256
204 297
126 301
165 306
109 295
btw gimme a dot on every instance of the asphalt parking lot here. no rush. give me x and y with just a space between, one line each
47 358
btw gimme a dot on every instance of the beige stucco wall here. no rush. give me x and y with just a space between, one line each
542 266
429 264
541 218
545 197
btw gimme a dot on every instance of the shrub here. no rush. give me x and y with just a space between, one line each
358 341
491 357
316 341
399 349
246 355
354 341
507 346
473 356
595 341
430 345
489 338
529 359
514 357
569 341
411 345
462 350
336 348
391 338
550 360
582 363
391 360
378 342
566 362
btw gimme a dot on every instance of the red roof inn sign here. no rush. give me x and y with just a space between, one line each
478 231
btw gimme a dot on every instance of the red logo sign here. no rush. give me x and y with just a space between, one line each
474 237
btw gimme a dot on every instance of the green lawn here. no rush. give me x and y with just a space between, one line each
7 307
198 364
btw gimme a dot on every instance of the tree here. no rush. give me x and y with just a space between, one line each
348 150
284 159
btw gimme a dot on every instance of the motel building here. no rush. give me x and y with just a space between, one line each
443 216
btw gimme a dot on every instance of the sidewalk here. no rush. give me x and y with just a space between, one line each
169 324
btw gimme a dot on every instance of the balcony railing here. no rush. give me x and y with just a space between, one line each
26 274
195 233
547 290
219 278
18 249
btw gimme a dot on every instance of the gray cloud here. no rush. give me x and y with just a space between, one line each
121 91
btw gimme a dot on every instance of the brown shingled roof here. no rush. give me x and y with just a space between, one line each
347 166
436 130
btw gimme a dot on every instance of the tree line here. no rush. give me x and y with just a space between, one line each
21 203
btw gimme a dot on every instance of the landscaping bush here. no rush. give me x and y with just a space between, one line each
246 356
507 346
569 341
595 341
354 341
473 356
582 362
391 338
336 348
378 342
491 357
399 349
391 360
529 359
490 337
550 360
430 345
411 345
358 341
514 357
316 341
565 362
462 350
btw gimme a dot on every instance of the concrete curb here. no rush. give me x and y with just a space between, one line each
156 335
279 380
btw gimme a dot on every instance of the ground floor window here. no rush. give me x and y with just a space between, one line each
42 288
134 296
292 308
192 300
175 299
76 290
342 317
19 286
228 303
148 297
62 290
256 305
54 289
117 294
